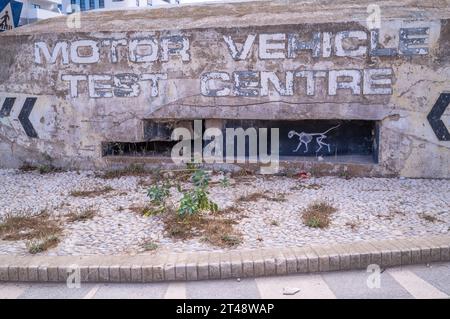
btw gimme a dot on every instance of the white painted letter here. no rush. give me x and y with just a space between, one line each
73 83
143 50
266 44
245 50
374 78
206 80
287 89
174 45
60 47
354 84
358 51
99 89
154 80
93 57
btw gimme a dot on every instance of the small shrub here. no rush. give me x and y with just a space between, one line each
196 200
317 215
157 194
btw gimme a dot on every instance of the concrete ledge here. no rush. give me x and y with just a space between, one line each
225 265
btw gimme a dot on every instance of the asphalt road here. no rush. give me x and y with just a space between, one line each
431 281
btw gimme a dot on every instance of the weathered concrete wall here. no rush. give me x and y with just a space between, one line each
65 91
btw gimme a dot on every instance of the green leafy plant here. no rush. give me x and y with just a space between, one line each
200 178
196 200
204 203
188 205
225 182
158 193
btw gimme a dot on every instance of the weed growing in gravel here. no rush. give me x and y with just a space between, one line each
317 215
194 215
158 193
196 200
149 245
42 244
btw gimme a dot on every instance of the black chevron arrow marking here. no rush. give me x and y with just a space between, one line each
24 117
7 106
434 117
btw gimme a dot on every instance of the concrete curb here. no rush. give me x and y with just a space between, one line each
225 265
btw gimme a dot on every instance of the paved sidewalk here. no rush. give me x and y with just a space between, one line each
422 281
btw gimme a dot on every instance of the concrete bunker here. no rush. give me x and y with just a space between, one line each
343 94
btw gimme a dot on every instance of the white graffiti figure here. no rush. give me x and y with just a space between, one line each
306 138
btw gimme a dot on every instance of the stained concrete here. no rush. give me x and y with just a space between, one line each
98 83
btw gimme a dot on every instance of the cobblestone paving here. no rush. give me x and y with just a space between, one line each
367 209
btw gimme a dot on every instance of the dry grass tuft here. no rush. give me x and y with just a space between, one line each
217 231
132 170
29 228
42 169
318 215
313 186
430 218
81 217
92 193
39 245
27 167
254 197
274 223
391 215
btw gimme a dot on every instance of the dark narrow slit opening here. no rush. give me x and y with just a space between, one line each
328 140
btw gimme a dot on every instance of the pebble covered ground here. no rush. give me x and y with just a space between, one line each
367 208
